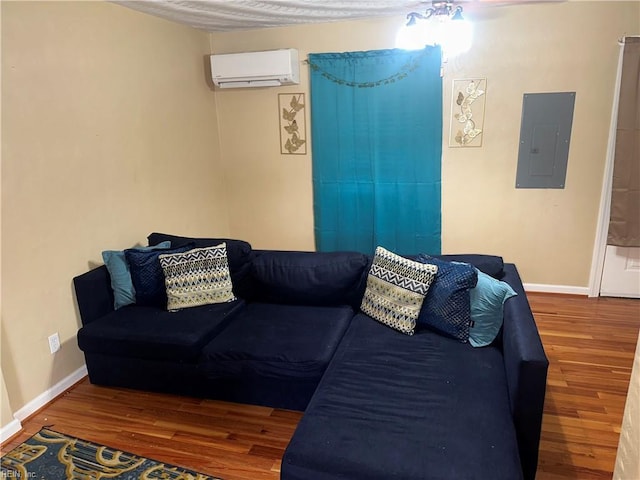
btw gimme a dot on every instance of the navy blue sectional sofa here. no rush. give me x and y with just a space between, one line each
377 404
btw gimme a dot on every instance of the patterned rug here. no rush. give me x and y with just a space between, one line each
50 455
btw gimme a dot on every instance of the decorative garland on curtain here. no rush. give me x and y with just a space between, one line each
404 71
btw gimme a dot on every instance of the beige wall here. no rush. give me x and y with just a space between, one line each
109 132
549 234
6 412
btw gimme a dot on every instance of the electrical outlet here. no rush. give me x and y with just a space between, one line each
54 342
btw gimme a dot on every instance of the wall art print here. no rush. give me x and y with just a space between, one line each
293 128
467 112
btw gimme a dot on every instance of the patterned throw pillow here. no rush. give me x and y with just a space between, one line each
396 288
447 306
198 277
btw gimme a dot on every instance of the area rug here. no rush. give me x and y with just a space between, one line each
50 455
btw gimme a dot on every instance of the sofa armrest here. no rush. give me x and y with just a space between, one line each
526 367
94 294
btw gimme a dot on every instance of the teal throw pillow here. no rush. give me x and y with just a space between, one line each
487 309
118 267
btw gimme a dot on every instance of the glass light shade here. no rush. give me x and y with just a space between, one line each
457 37
412 37
453 35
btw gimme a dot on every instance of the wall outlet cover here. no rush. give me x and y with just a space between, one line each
54 343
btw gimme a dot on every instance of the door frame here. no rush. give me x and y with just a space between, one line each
602 228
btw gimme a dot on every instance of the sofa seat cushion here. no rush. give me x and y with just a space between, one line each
153 333
410 407
277 341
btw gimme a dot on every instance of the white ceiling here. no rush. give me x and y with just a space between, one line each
225 15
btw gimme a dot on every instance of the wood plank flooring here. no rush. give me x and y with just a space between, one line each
235 442
590 344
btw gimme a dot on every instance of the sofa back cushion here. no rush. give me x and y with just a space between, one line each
308 278
239 254
492 265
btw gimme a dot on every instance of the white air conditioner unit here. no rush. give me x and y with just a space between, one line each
256 69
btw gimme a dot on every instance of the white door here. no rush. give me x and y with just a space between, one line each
621 272
620 266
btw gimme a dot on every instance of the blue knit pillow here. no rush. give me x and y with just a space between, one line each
446 308
116 263
147 275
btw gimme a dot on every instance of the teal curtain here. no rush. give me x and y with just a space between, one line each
376 123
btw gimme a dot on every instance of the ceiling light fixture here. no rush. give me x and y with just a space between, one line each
441 24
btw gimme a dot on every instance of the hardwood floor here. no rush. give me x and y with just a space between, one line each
235 442
590 344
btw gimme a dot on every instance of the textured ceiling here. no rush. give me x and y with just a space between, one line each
224 15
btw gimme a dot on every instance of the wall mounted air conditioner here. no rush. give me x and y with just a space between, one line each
256 69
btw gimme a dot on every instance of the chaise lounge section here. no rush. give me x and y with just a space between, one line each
425 406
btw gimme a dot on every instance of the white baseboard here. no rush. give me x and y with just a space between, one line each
567 289
604 293
9 430
48 395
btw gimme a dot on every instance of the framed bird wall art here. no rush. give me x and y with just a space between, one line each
293 127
